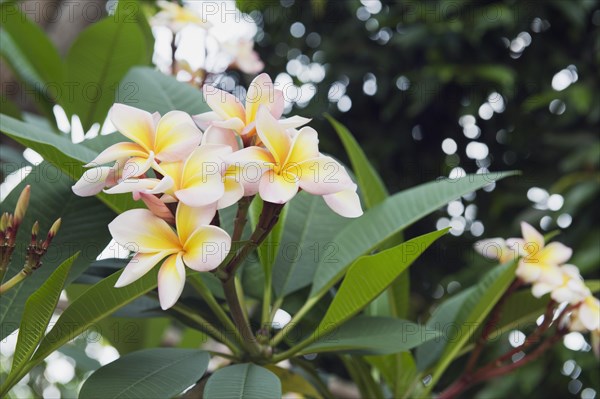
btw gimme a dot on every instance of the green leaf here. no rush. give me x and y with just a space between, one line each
364 234
31 55
372 335
370 275
267 251
150 373
97 61
294 383
471 309
307 239
398 370
66 156
84 228
243 381
153 91
98 302
371 186
37 313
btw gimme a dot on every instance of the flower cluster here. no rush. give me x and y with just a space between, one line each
184 175
543 265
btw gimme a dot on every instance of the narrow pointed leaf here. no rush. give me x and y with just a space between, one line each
149 373
84 228
370 275
371 186
37 313
471 309
364 234
372 336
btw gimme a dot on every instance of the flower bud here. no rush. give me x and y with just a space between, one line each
34 231
51 234
4 222
22 205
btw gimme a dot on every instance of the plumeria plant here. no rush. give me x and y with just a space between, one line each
217 224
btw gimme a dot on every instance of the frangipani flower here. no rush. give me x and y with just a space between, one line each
540 262
170 138
229 113
500 249
197 181
572 289
288 164
194 244
586 317
177 17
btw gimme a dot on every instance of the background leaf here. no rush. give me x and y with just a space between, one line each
37 313
371 186
67 157
399 211
370 275
372 335
243 381
470 308
150 373
307 239
83 228
153 91
97 61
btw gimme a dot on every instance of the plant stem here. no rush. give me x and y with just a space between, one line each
16 279
241 322
206 327
266 305
209 298
241 217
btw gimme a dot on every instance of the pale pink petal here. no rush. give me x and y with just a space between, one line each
189 219
589 313
272 135
262 92
294 122
276 188
133 186
528 272
551 274
534 241
278 104
321 176
206 248
92 181
176 137
345 203
259 157
555 252
118 151
202 191
217 135
139 265
305 145
171 280
137 166
223 103
157 207
235 124
140 231
233 192
205 120
133 123
540 289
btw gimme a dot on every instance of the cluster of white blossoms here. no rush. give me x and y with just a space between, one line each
184 169
545 267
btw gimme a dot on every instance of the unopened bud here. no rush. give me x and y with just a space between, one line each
55 226
22 205
51 234
4 222
35 230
